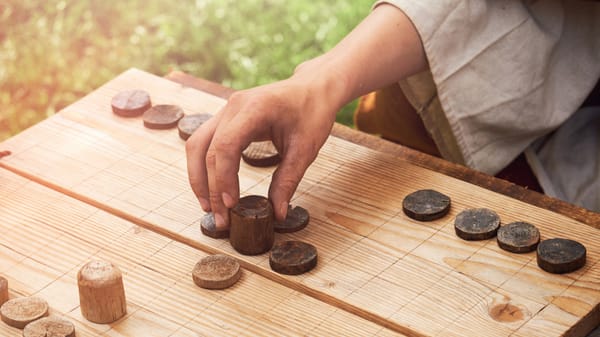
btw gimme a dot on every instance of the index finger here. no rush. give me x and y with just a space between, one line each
196 148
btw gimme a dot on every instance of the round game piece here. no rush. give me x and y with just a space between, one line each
293 257
261 154
3 290
130 103
101 292
518 237
49 327
162 117
476 224
426 205
297 218
251 230
209 228
216 272
559 256
19 312
188 124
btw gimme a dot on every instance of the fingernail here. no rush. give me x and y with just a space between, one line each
204 204
219 221
227 200
283 208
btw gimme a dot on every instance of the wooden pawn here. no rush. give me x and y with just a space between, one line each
3 290
101 292
251 231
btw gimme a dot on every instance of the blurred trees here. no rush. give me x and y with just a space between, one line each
54 52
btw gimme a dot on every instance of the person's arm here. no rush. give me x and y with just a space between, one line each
297 113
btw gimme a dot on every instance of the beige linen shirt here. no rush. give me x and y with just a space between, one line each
501 73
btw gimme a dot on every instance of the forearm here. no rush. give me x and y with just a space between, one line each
384 48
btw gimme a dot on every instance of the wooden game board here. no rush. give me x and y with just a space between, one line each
87 183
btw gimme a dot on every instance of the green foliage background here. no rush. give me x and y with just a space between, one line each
54 52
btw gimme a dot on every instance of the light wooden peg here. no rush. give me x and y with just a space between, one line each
101 292
3 290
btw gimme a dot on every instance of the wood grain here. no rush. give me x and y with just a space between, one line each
162 298
375 263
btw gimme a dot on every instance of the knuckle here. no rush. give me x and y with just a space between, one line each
215 199
223 145
211 157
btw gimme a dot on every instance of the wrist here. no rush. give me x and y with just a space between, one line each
325 79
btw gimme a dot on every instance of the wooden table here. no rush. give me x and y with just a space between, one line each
86 184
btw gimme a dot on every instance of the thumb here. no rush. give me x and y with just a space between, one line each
285 181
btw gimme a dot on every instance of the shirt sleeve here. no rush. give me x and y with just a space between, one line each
501 73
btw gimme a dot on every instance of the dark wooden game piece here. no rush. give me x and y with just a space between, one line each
3 290
49 327
559 256
297 218
251 231
101 292
261 154
19 312
293 257
209 228
216 272
162 117
426 205
476 224
518 237
130 103
188 124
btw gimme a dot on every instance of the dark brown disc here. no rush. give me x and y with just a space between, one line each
130 103
209 228
518 237
261 154
476 224
188 124
293 257
559 256
49 327
19 312
216 272
297 218
163 116
426 205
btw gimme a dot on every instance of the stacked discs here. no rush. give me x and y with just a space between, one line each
559 256
518 237
130 103
209 228
251 230
188 124
3 290
101 292
293 257
163 116
19 312
426 205
49 327
296 219
476 224
261 154
216 272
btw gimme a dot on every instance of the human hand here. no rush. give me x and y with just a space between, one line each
296 114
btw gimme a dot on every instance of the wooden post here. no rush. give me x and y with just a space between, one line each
251 231
101 292
3 290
